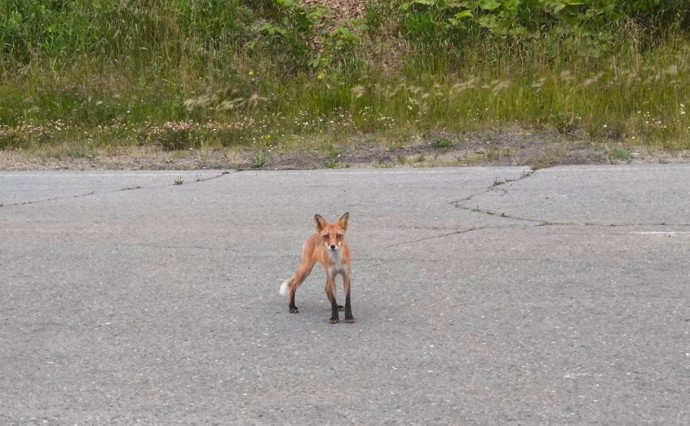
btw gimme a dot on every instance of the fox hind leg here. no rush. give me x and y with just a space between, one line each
291 292
302 273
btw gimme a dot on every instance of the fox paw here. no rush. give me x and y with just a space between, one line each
294 310
334 320
350 320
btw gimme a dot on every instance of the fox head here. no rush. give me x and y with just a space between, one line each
332 234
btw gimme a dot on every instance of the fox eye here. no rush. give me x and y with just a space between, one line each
325 237
339 236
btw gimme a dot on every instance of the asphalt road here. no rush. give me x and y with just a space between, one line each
482 296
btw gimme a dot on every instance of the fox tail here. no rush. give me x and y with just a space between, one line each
284 288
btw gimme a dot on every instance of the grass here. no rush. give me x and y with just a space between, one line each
201 75
442 143
618 154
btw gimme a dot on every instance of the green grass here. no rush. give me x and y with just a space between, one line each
79 77
619 155
259 160
442 143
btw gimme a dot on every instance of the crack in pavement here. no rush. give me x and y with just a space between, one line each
46 200
539 222
462 231
504 215
496 186
543 222
130 188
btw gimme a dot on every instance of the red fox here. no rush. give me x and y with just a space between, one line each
328 247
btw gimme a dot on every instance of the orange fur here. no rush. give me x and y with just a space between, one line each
327 247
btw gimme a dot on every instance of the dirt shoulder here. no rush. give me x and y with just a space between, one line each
505 148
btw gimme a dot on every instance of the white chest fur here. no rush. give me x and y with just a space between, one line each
337 265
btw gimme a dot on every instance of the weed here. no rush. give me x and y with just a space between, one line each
259 160
395 146
492 153
332 151
619 154
178 181
498 182
552 156
442 143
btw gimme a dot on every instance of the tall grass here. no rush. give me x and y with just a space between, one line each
175 74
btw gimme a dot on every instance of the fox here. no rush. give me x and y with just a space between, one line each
328 247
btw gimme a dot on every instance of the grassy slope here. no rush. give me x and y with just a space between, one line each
107 78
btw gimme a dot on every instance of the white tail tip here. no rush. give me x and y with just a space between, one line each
284 288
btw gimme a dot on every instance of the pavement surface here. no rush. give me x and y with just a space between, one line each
482 296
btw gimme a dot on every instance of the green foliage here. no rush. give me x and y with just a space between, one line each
299 39
289 31
50 29
442 143
618 154
440 21
655 13
178 74
338 52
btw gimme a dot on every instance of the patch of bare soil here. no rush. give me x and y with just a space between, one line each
341 9
505 148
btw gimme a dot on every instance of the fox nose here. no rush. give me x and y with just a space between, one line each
332 246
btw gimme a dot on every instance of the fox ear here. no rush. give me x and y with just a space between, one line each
320 222
343 220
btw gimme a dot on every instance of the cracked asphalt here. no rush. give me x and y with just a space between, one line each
482 296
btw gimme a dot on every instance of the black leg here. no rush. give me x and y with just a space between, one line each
293 309
335 318
302 273
330 294
348 306
348 310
